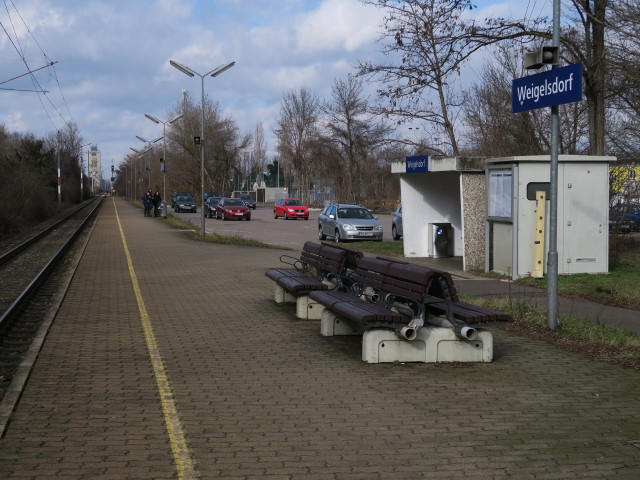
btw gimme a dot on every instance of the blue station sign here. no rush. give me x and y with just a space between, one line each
417 164
554 87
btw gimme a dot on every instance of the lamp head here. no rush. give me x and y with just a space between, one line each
222 68
183 68
152 118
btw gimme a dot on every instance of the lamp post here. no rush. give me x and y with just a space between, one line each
82 169
164 156
214 73
148 149
140 155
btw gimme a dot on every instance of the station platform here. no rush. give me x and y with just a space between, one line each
168 358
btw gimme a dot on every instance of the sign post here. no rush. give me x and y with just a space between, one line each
549 89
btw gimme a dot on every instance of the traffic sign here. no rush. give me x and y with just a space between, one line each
554 87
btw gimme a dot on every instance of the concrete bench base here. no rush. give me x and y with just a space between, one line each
433 345
280 295
306 309
334 325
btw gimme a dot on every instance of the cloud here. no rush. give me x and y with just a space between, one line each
113 60
338 25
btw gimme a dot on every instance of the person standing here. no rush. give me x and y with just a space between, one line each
147 201
156 202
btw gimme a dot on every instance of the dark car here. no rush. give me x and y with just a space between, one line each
633 214
348 222
396 224
210 206
624 218
176 195
248 200
290 208
232 208
185 203
211 194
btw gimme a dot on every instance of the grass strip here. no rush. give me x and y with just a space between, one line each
594 340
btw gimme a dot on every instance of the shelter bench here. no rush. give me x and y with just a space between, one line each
319 268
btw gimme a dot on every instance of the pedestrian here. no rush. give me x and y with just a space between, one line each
147 201
156 202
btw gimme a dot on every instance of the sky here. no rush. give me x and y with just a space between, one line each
112 60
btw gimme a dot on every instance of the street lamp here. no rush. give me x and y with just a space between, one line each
140 154
82 169
164 156
148 148
190 73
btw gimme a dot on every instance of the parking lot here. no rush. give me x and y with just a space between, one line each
265 228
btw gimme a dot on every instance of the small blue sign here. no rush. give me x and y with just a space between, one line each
555 87
417 164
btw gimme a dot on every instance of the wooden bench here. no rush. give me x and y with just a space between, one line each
385 293
412 302
319 268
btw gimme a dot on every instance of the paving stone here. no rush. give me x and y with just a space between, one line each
261 395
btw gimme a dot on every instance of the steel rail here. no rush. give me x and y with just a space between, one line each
27 243
47 269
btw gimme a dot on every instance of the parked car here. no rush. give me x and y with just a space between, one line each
232 208
176 195
633 214
348 222
290 208
185 203
210 206
396 223
211 194
624 218
247 199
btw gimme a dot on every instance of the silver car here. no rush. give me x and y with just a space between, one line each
396 224
348 222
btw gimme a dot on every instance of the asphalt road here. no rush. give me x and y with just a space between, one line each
265 228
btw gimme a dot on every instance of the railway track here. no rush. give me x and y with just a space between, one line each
32 274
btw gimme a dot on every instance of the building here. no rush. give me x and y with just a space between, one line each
484 210
95 170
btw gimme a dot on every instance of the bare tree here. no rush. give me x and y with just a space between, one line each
296 131
260 151
223 143
494 130
354 135
427 41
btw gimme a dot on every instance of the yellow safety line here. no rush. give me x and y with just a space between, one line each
181 454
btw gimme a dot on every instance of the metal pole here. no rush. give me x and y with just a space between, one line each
164 170
164 160
81 179
552 261
202 231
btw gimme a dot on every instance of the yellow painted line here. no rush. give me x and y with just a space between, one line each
181 455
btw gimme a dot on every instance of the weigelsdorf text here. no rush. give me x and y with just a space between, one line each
536 92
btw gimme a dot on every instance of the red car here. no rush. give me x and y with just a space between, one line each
232 208
290 208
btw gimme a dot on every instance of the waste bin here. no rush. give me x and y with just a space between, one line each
442 240
163 209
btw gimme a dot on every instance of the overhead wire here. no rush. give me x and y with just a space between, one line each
38 88
55 74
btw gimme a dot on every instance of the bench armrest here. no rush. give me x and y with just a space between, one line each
296 263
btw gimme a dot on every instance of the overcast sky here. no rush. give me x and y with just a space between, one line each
113 60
